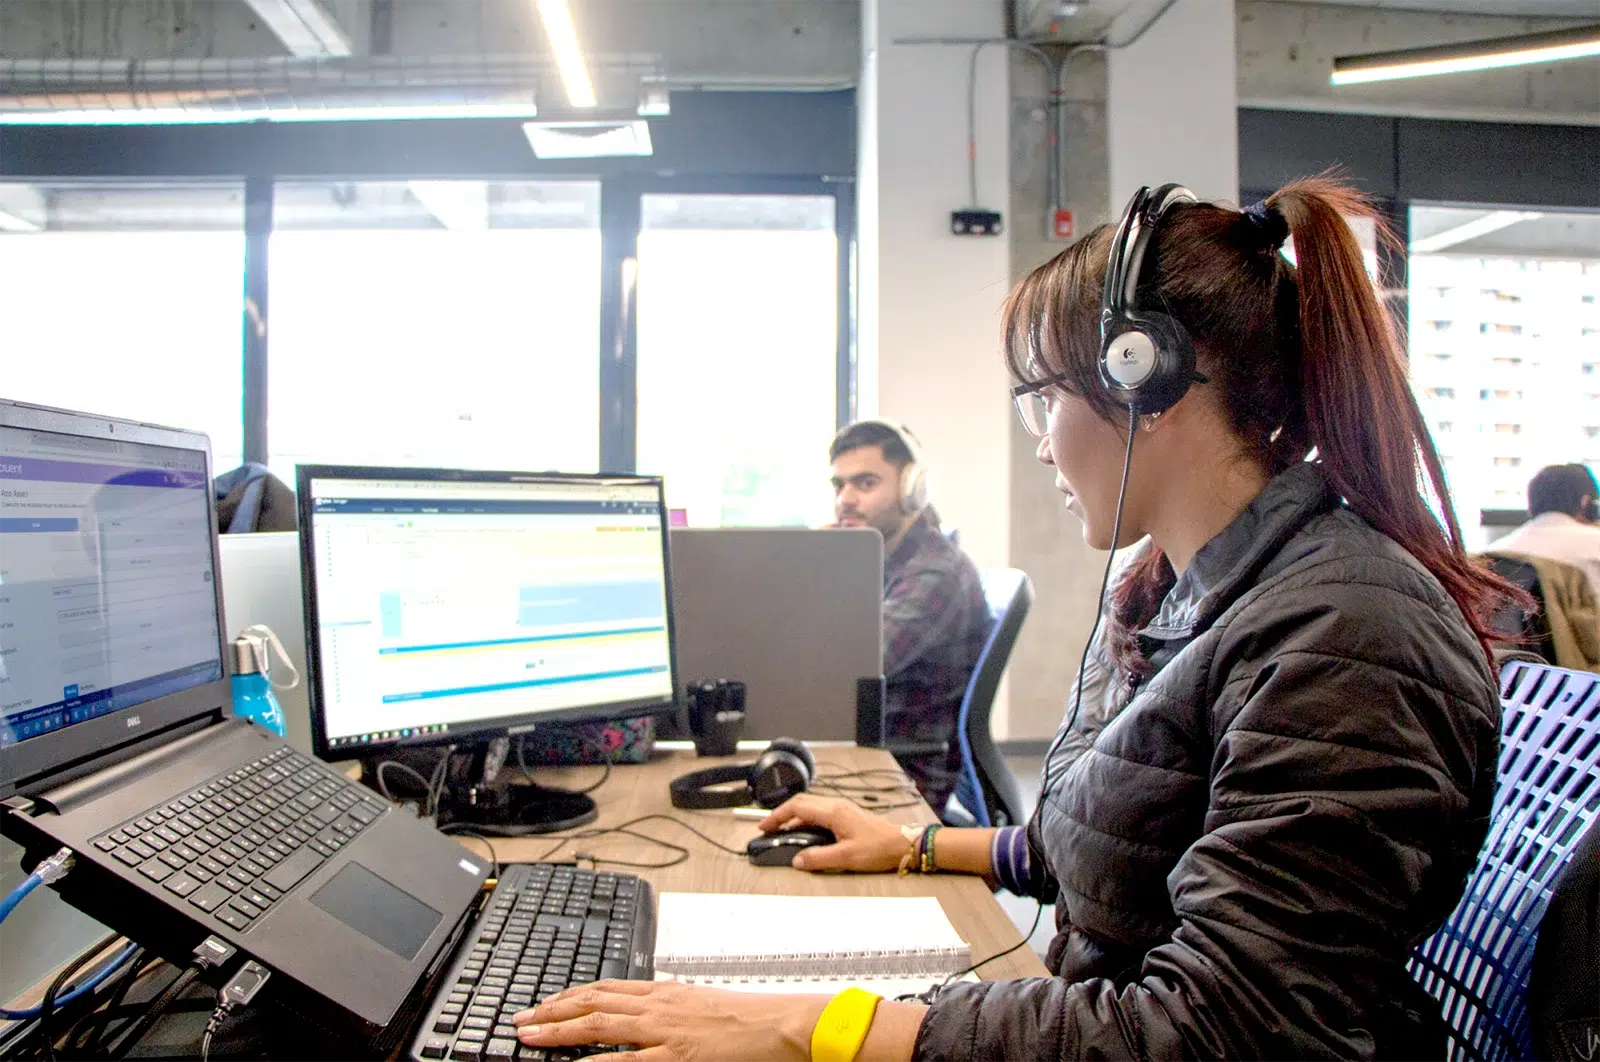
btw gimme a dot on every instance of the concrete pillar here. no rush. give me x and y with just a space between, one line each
1173 104
929 300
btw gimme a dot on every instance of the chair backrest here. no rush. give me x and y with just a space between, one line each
1547 795
1529 625
986 786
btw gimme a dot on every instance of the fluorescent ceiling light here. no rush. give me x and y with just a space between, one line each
13 223
461 206
1493 221
588 140
557 19
305 27
1473 55
173 116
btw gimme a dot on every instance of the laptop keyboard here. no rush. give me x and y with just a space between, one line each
544 928
232 848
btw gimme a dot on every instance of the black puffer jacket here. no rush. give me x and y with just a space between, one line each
1251 848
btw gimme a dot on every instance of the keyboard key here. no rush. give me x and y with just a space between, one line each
446 1024
210 897
119 836
212 864
505 1030
246 908
466 1051
169 835
255 897
250 868
181 884
435 1047
105 844
127 855
500 1049
229 882
233 918
186 852
172 859
156 870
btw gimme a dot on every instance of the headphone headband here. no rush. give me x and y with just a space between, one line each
1135 232
1147 359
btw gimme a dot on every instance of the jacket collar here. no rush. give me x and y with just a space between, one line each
1228 565
919 536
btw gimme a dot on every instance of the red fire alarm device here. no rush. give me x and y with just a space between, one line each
1062 225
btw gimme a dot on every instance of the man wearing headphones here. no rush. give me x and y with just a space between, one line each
1564 524
934 615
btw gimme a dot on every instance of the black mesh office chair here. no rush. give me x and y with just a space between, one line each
987 792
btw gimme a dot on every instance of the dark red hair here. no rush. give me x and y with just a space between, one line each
1304 356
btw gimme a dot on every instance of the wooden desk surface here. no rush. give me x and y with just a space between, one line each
641 789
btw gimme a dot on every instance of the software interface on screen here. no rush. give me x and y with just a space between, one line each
444 603
106 597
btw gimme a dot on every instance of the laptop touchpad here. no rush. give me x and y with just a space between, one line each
376 909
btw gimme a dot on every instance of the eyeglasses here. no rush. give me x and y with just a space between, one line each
1033 409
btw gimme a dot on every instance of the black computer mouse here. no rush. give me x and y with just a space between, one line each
779 849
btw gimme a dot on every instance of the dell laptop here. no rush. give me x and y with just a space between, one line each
117 741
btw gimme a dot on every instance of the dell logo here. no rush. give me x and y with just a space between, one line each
133 721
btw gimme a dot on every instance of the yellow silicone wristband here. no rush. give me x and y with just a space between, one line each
843 1026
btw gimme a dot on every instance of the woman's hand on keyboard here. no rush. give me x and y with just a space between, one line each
866 843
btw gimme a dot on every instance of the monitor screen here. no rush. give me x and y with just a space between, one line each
107 595
446 603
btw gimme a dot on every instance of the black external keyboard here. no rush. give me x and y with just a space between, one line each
233 847
545 928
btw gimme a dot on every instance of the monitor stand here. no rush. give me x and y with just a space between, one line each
474 798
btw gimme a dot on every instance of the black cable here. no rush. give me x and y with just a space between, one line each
91 1026
933 991
1105 582
466 831
436 784
158 1007
47 1006
623 828
383 765
604 752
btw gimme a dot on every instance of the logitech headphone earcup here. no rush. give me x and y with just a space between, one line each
1148 363
784 770
799 748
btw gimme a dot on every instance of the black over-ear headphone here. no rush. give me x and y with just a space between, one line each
1146 357
782 771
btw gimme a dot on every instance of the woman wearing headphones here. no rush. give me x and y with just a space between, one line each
1284 768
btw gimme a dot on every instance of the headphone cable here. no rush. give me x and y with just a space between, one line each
1105 582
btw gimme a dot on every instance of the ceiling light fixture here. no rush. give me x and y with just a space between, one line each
589 140
1493 221
557 19
1472 55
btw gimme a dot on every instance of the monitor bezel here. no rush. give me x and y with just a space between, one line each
474 729
40 763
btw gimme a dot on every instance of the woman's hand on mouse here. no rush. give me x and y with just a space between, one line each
866 843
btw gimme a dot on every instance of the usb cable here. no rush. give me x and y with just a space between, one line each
238 992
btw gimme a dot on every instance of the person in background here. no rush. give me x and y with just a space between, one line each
1302 768
1564 520
935 619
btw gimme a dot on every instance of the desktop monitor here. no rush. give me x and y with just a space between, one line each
464 608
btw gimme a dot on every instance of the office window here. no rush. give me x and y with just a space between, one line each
126 299
738 348
1444 427
1442 326
435 323
1441 392
1531 287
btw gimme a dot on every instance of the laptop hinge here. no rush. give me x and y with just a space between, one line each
93 783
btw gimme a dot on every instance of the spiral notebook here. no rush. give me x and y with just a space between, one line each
891 945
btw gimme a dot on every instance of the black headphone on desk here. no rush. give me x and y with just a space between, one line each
782 771
1146 357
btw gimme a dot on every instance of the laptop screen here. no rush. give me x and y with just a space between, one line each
106 582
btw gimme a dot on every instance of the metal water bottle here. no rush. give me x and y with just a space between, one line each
252 693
